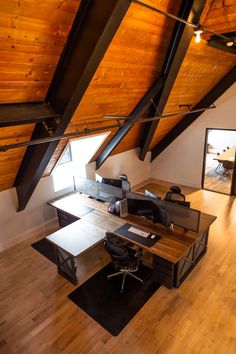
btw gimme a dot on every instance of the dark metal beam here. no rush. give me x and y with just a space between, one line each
25 113
140 109
222 46
209 99
92 32
182 35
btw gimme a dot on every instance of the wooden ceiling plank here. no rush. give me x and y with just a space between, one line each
139 110
209 99
181 39
79 61
25 113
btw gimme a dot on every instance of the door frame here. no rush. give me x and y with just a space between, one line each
233 181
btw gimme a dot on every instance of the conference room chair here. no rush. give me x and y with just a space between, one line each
218 168
228 167
124 260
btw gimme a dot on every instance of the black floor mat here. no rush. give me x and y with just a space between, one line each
46 248
101 299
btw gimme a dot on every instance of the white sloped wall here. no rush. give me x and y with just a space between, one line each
182 161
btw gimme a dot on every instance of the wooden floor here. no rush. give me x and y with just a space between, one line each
199 317
214 181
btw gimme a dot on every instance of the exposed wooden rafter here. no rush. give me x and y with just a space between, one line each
93 29
182 35
210 98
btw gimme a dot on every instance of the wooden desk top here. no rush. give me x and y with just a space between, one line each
228 155
172 246
77 204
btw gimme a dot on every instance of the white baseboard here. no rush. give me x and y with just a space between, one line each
42 229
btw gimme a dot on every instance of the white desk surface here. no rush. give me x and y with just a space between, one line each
77 237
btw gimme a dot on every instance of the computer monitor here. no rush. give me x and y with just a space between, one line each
180 202
149 194
125 185
148 209
98 178
112 182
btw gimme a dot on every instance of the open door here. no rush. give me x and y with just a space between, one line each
219 171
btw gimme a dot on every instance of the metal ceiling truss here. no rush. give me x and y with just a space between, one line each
208 100
51 125
80 59
182 35
139 110
25 113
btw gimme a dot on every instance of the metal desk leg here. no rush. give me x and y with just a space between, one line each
66 265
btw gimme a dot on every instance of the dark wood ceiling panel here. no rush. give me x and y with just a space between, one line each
10 160
59 150
130 141
201 70
132 62
221 17
32 36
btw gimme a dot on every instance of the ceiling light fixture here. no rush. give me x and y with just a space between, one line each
195 26
230 43
198 33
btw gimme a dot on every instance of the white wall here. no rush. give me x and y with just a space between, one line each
181 162
38 215
35 218
126 162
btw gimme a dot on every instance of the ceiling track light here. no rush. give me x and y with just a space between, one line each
230 43
144 120
198 31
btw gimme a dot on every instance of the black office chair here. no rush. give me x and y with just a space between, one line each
123 177
174 194
124 262
228 167
218 169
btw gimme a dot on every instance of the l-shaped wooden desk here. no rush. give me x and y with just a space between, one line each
87 220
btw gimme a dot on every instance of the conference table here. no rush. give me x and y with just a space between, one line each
228 155
85 222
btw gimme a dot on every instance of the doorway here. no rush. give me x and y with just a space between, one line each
219 172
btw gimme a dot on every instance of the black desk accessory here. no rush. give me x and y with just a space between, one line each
145 241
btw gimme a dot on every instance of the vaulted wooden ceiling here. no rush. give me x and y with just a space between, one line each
33 36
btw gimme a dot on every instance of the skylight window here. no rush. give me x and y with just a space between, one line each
74 159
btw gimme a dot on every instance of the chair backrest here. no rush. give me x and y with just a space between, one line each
229 165
174 194
118 253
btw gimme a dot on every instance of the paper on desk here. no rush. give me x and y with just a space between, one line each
138 232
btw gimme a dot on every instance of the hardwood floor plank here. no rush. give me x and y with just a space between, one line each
199 317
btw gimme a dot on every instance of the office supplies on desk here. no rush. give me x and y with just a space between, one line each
124 230
138 232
